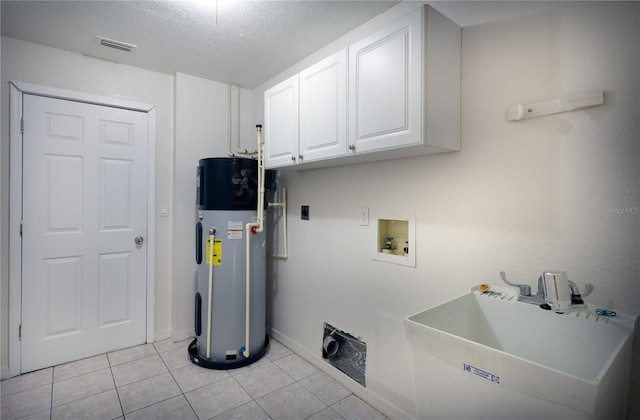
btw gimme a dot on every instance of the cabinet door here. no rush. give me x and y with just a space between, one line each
281 123
323 109
385 87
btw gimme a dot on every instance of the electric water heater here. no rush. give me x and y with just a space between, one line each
230 305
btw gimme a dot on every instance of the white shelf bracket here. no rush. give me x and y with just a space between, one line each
572 102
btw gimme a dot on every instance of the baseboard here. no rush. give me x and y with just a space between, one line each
385 407
163 335
179 335
4 372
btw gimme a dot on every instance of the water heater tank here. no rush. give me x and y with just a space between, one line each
227 197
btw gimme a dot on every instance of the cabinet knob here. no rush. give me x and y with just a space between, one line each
300 157
352 147
293 158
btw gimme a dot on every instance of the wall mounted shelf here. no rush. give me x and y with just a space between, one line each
571 102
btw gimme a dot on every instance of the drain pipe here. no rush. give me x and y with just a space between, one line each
212 233
282 204
229 127
252 229
238 152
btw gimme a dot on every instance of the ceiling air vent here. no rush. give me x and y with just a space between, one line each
118 45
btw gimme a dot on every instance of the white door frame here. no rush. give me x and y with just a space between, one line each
17 89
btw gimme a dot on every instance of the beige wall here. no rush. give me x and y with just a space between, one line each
33 63
202 130
556 192
548 193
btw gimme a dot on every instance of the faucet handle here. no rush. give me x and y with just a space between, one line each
525 289
588 288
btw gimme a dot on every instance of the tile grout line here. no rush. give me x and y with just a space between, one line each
269 360
295 381
157 353
229 375
139 380
298 381
114 384
174 379
51 399
251 396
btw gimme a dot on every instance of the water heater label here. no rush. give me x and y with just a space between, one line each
234 229
217 252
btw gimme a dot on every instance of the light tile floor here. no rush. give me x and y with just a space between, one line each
157 381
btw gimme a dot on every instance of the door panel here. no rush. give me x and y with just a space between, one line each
63 193
63 294
116 192
84 202
115 285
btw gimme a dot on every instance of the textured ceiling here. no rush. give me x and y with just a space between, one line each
240 42
243 42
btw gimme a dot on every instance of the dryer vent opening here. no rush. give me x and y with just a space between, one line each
345 352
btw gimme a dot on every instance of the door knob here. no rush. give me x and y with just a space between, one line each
139 240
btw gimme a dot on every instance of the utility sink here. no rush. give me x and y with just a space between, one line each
486 355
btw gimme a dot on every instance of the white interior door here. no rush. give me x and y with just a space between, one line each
84 204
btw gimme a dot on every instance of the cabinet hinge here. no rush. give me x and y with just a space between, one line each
21 225
21 124
20 332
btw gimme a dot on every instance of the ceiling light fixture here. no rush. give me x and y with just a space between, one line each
118 45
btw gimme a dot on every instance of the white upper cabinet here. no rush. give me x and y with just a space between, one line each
402 79
281 123
323 109
385 71
395 93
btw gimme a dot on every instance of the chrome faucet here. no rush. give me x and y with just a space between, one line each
525 291
555 291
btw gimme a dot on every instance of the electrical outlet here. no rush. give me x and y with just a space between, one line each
304 212
364 216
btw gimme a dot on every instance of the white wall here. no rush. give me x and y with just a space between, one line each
557 192
200 127
33 63
202 131
520 197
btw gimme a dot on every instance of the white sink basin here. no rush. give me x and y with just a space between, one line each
490 356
